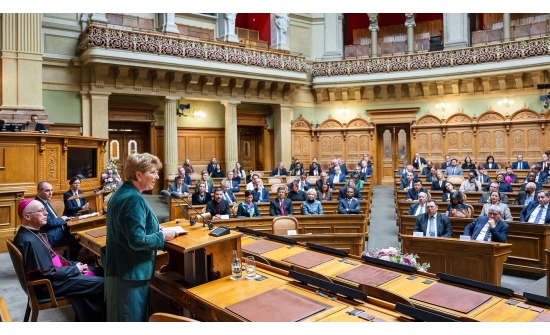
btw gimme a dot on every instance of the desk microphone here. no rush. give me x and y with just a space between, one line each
86 180
176 195
165 193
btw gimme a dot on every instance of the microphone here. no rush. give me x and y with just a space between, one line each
86 180
165 193
176 195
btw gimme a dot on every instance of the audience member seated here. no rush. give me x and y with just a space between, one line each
312 206
446 163
454 169
211 167
218 206
510 174
412 193
439 183
468 164
74 280
482 176
545 163
315 169
503 186
490 163
281 206
486 197
235 182
205 177
298 170
293 164
324 180
529 194
470 184
260 193
295 194
187 166
418 161
218 173
431 176
426 170
338 176
72 207
402 172
494 200
531 177
227 194
333 164
249 176
303 184
365 171
349 204
358 182
253 183
366 159
540 175
201 197
183 174
488 228
38 126
239 172
279 170
448 190
248 208
410 168
56 227
456 206
433 223
537 212
343 168
351 185
420 207
407 183
180 187
520 164
325 193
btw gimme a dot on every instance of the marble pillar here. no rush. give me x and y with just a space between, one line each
86 114
226 28
506 27
282 118
373 27
170 136
99 117
410 24
279 31
231 139
334 43
167 23
455 31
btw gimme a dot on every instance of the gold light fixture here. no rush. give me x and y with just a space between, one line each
181 108
506 102
443 106
198 113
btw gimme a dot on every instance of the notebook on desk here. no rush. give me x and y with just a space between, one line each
368 275
308 259
99 232
452 297
261 247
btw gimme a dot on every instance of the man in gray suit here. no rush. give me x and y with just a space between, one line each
454 169
433 223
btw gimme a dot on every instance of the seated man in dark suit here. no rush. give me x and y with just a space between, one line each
412 194
235 182
180 187
418 161
281 206
420 207
72 207
324 180
279 170
493 187
531 177
482 176
540 175
338 176
184 175
407 183
520 164
446 163
342 194
503 186
211 166
545 163
56 227
410 168
349 204
218 207
403 171
227 194
529 194
433 223
365 170
537 212
426 169
38 126
492 228
303 184
260 193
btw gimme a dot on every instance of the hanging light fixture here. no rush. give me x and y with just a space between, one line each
506 102
443 106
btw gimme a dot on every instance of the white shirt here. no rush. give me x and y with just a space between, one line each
249 187
421 209
483 232
536 212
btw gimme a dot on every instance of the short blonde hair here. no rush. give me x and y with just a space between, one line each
311 191
140 162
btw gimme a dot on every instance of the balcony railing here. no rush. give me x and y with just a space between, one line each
157 43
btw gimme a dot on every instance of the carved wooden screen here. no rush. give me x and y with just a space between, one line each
302 147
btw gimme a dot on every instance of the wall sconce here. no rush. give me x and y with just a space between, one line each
180 111
443 106
343 111
198 113
507 102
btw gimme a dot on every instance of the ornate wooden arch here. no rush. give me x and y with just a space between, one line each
525 114
428 119
358 122
490 116
301 124
459 118
331 123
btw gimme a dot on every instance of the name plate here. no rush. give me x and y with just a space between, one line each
224 216
418 234
465 237
291 232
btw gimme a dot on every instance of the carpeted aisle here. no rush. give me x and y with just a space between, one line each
383 226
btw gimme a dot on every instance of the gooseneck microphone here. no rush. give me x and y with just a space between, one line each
165 193
176 195
79 176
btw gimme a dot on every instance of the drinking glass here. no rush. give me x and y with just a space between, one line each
250 265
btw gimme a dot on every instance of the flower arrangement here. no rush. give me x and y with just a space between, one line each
395 255
110 178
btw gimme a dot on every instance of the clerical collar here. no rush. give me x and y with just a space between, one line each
32 229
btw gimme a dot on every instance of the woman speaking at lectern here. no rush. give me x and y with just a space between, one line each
133 238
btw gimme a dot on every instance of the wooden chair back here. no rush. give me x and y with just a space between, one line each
165 317
4 314
259 173
274 180
470 211
312 180
455 180
290 179
234 210
33 304
194 176
274 187
282 224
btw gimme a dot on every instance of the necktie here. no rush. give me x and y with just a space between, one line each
487 234
431 229
349 204
282 208
77 200
454 170
539 215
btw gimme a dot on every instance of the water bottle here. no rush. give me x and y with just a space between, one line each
236 267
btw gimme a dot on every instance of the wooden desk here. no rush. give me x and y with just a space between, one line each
470 196
76 226
481 261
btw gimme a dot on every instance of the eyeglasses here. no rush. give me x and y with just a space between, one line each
154 174
40 210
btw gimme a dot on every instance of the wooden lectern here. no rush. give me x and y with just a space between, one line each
481 261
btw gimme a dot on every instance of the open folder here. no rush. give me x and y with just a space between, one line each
177 229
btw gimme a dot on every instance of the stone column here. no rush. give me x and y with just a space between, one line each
86 114
334 44
170 136
279 31
98 18
455 31
506 27
167 23
21 67
282 118
410 24
373 27
99 117
231 140
226 27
